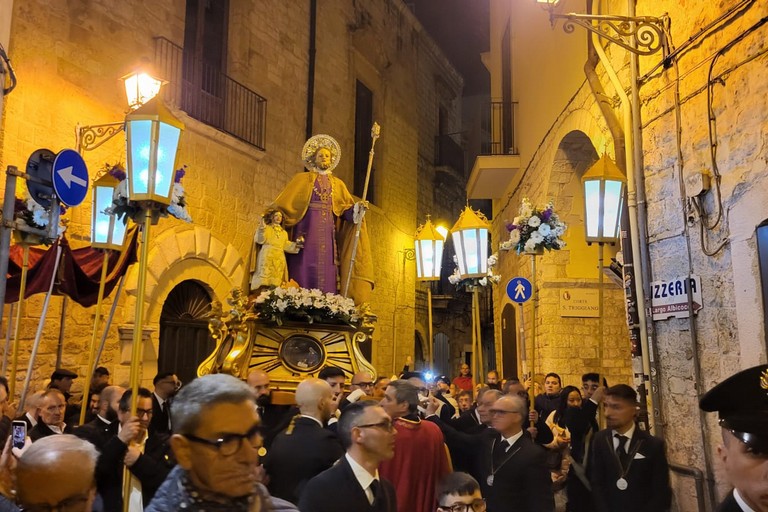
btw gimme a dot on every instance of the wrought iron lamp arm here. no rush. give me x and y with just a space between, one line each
93 136
648 31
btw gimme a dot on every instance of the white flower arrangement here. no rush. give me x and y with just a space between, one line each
27 212
535 229
489 278
305 305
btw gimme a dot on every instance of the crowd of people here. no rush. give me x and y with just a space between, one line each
367 444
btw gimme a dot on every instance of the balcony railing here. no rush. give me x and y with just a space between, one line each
498 122
210 96
448 152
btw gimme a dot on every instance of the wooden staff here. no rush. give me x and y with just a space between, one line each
375 131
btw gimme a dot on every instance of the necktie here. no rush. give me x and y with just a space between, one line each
620 451
499 451
374 487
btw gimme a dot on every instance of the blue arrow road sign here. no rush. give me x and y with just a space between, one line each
519 289
70 177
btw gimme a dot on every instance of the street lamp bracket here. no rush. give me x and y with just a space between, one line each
648 31
92 136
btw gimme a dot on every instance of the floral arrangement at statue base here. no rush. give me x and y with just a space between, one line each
291 303
535 229
124 209
490 278
28 213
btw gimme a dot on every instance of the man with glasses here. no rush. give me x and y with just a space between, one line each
52 413
56 473
147 456
353 485
166 385
274 417
459 492
421 457
512 468
362 385
540 431
216 441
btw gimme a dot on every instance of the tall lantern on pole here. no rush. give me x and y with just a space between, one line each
429 244
107 233
604 185
470 242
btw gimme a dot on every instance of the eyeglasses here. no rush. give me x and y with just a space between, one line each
475 506
72 504
384 425
229 444
363 384
142 412
501 412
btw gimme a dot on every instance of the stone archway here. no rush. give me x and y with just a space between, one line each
177 256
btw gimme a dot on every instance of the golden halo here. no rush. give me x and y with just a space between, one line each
317 142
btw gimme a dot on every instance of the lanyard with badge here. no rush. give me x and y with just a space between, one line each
489 480
622 483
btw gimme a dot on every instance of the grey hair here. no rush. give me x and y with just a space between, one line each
48 449
205 392
406 392
520 403
495 392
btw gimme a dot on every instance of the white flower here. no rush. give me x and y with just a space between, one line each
40 217
544 230
505 246
536 237
263 297
526 208
493 259
517 221
279 292
483 281
281 305
560 244
534 221
530 245
514 236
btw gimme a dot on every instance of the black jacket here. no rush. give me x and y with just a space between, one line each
299 454
97 432
160 418
41 430
648 487
337 490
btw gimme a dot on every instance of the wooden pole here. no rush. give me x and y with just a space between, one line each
20 313
92 349
430 342
8 330
535 294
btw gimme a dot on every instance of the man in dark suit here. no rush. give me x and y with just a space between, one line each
32 405
51 416
274 417
105 425
147 456
353 485
513 471
166 385
305 449
627 467
742 403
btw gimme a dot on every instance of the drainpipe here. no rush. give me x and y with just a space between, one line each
311 70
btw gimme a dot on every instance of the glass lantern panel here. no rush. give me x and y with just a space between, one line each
472 254
102 197
483 246
458 246
140 136
438 259
118 231
611 208
167 145
419 266
592 207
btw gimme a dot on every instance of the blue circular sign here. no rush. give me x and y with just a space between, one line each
70 177
519 289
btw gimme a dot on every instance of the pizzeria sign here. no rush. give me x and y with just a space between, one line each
669 299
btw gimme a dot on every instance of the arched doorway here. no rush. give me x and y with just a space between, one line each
419 352
184 337
509 342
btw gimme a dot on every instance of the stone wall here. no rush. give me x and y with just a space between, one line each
69 58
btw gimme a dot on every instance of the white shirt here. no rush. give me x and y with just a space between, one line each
57 430
629 433
364 478
512 440
312 418
32 420
741 502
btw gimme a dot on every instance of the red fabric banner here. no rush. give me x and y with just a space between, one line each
79 270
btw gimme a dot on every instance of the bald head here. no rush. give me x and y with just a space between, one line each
362 380
315 398
33 401
258 380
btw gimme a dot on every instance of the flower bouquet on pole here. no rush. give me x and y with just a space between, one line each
535 229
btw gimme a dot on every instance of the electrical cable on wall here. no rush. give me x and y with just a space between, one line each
6 64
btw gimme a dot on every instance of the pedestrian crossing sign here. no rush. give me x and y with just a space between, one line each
519 289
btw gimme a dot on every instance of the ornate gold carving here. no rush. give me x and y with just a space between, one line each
764 380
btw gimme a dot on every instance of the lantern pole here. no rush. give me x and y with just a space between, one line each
532 365
92 350
19 314
430 343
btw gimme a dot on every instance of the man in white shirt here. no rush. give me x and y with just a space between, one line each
51 416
